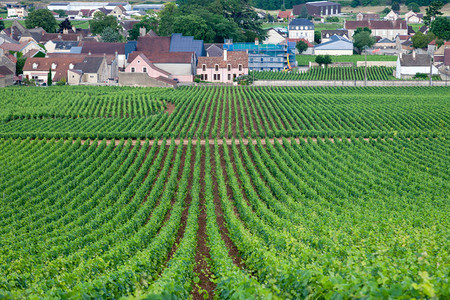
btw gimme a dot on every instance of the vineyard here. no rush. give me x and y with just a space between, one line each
332 73
113 193
224 112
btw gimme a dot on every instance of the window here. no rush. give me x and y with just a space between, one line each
144 69
53 66
201 77
216 67
229 67
203 67
218 76
215 77
139 61
301 27
35 65
240 67
206 76
71 66
296 27
133 70
91 76
251 60
229 76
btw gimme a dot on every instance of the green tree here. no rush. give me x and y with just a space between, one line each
323 60
167 17
49 77
420 40
441 28
191 25
148 22
101 21
317 37
354 3
19 65
363 39
41 18
60 12
301 46
361 29
64 25
304 12
2 25
108 35
386 10
432 12
395 6
414 7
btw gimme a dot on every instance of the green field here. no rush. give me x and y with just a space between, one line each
80 24
334 73
304 59
152 193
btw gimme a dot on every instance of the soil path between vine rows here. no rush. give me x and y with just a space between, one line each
230 141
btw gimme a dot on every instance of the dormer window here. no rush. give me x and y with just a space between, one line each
229 67
70 66
203 67
35 65
240 67
53 66
216 67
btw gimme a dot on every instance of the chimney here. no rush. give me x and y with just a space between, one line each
400 55
142 31
74 29
414 54
256 41
225 55
89 53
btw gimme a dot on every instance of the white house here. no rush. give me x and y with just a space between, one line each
77 6
413 18
19 12
409 65
274 37
301 29
337 45
392 16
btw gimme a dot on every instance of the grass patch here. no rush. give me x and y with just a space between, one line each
80 24
8 23
328 26
277 24
303 60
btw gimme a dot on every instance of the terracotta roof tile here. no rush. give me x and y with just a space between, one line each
234 58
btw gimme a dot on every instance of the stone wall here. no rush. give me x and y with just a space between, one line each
377 63
141 79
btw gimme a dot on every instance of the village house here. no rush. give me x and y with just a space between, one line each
214 50
309 50
22 48
326 34
77 6
21 34
6 76
274 36
383 29
337 45
319 8
18 11
92 70
301 29
38 68
385 44
285 15
392 16
223 69
116 49
413 18
408 65
403 42
367 17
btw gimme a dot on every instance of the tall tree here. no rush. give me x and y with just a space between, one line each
304 12
301 46
2 25
149 22
167 18
395 6
432 12
414 7
421 40
49 77
441 28
363 39
108 35
41 18
101 21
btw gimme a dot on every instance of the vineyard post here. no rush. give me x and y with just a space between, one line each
365 66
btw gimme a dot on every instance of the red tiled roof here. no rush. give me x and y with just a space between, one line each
45 63
161 57
447 57
13 47
285 14
234 58
60 37
136 54
12 58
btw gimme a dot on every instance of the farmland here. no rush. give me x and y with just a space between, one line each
334 73
232 192
304 59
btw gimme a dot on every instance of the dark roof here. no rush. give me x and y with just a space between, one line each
214 50
5 71
340 32
301 22
104 10
410 30
89 64
322 3
153 44
408 60
65 45
423 29
385 40
128 24
103 48
72 12
180 43
60 37
447 57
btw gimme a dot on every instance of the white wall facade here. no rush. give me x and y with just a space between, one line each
332 52
300 33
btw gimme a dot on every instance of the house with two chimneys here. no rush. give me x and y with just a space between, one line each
223 69
408 65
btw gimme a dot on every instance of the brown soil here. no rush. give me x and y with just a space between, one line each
170 108
202 256
187 203
233 252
